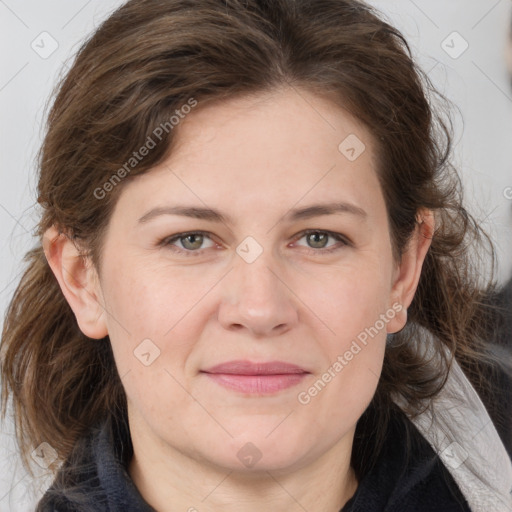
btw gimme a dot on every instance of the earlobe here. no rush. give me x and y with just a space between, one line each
78 281
399 320
407 274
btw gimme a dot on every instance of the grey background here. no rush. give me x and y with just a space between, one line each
476 82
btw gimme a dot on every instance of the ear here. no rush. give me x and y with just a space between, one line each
408 271
78 281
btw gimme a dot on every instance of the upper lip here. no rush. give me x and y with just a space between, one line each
240 367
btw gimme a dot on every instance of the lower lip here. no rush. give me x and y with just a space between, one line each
258 384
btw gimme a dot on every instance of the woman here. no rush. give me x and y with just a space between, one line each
254 273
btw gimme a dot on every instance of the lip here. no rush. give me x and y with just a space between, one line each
256 378
243 367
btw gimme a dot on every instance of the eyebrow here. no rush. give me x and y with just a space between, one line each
295 214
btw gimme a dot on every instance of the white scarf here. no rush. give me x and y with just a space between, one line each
464 436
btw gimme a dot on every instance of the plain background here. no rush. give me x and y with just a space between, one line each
476 81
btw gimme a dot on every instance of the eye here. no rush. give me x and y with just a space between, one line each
318 240
190 242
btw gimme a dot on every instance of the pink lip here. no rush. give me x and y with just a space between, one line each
240 367
259 378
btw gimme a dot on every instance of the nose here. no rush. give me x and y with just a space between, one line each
258 299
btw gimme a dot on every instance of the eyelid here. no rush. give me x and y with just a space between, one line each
167 241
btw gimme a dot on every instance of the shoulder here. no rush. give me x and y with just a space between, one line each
407 475
49 503
77 487
95 476
424 483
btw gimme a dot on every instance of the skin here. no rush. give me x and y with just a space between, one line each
252 158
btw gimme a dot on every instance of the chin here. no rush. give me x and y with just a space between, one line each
260 453
250 460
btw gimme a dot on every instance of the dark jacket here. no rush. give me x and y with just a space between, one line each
499 401
421 484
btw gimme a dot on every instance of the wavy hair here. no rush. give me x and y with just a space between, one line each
145 62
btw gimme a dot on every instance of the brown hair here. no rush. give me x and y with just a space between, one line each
148 59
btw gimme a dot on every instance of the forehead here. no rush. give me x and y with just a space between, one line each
287 147
274 121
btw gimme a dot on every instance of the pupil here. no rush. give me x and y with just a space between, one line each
316 235
190 238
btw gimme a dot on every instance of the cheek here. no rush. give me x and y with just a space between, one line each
152 324
352 305
150 302
349 299
353 344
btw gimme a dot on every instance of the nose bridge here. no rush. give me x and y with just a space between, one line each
258 299
257 283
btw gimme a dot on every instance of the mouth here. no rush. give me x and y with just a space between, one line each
256 378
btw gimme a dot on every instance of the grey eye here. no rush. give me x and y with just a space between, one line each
192 241
318 239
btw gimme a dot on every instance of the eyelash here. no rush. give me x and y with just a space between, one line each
167 242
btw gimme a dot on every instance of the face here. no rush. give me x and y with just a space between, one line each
265 279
